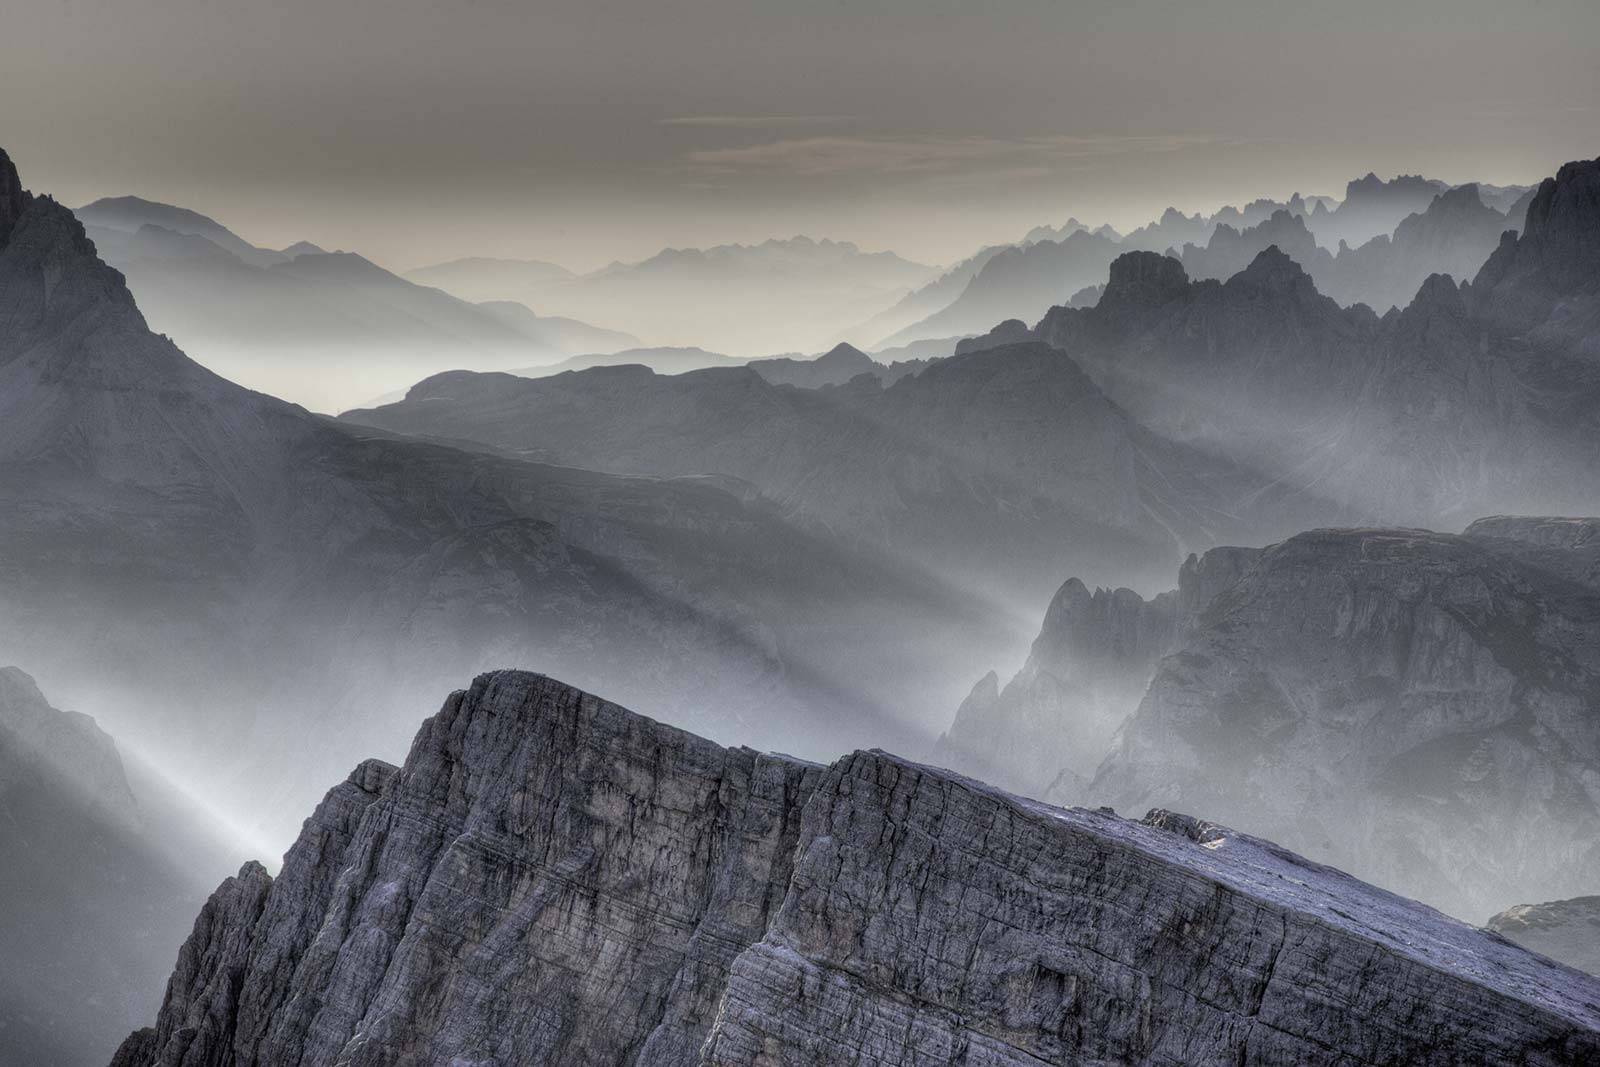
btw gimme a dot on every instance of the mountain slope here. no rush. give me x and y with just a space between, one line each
1419 708
324 329
271 591
987 468
551 879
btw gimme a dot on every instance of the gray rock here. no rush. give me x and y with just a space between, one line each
551 879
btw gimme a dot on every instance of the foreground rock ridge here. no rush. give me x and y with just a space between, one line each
552 879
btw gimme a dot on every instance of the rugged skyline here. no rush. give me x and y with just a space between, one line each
580 132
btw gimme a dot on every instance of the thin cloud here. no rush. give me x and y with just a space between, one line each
826 155
755 122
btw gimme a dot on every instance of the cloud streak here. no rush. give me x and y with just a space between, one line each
755 122
834 155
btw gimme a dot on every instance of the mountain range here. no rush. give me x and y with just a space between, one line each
246 576
790 294
326 329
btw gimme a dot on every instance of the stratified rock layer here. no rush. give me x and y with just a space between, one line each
554 880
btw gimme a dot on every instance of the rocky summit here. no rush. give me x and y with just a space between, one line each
551 879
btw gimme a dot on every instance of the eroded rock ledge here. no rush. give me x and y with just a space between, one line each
552 879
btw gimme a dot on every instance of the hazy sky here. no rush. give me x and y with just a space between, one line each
587 130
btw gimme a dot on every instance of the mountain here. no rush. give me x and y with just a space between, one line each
1419 708
1371 208
834 367
789 294
324 329
1453 236
1019 283
92 891
267 591
987 468
1564 930
112 220
551 879
660 360
481 279
1474 398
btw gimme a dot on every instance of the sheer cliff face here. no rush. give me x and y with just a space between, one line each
276 593
1045 733
1471 399
553 880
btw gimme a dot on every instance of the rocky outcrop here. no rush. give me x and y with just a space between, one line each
1564 930
551 879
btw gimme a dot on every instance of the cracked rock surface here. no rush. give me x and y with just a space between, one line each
551 879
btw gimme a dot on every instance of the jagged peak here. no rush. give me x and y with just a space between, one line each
12 199
1272 269
1143 278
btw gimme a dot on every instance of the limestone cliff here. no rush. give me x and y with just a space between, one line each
551 879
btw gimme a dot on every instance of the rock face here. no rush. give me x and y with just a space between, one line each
1046 732
1564 930
1417 708
553 880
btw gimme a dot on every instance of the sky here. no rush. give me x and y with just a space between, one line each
585 131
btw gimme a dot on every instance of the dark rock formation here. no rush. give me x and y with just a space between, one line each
1564 930
834 367
553 880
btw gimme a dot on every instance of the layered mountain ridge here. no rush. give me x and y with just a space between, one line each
553 879
1415 707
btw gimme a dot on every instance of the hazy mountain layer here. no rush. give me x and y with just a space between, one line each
1417 707
269 592
551 879
989 468
749 300
1454 236
327 330
1475 398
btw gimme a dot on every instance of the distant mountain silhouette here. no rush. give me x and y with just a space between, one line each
989 468
324 329
1471 399
1454 235
749 300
